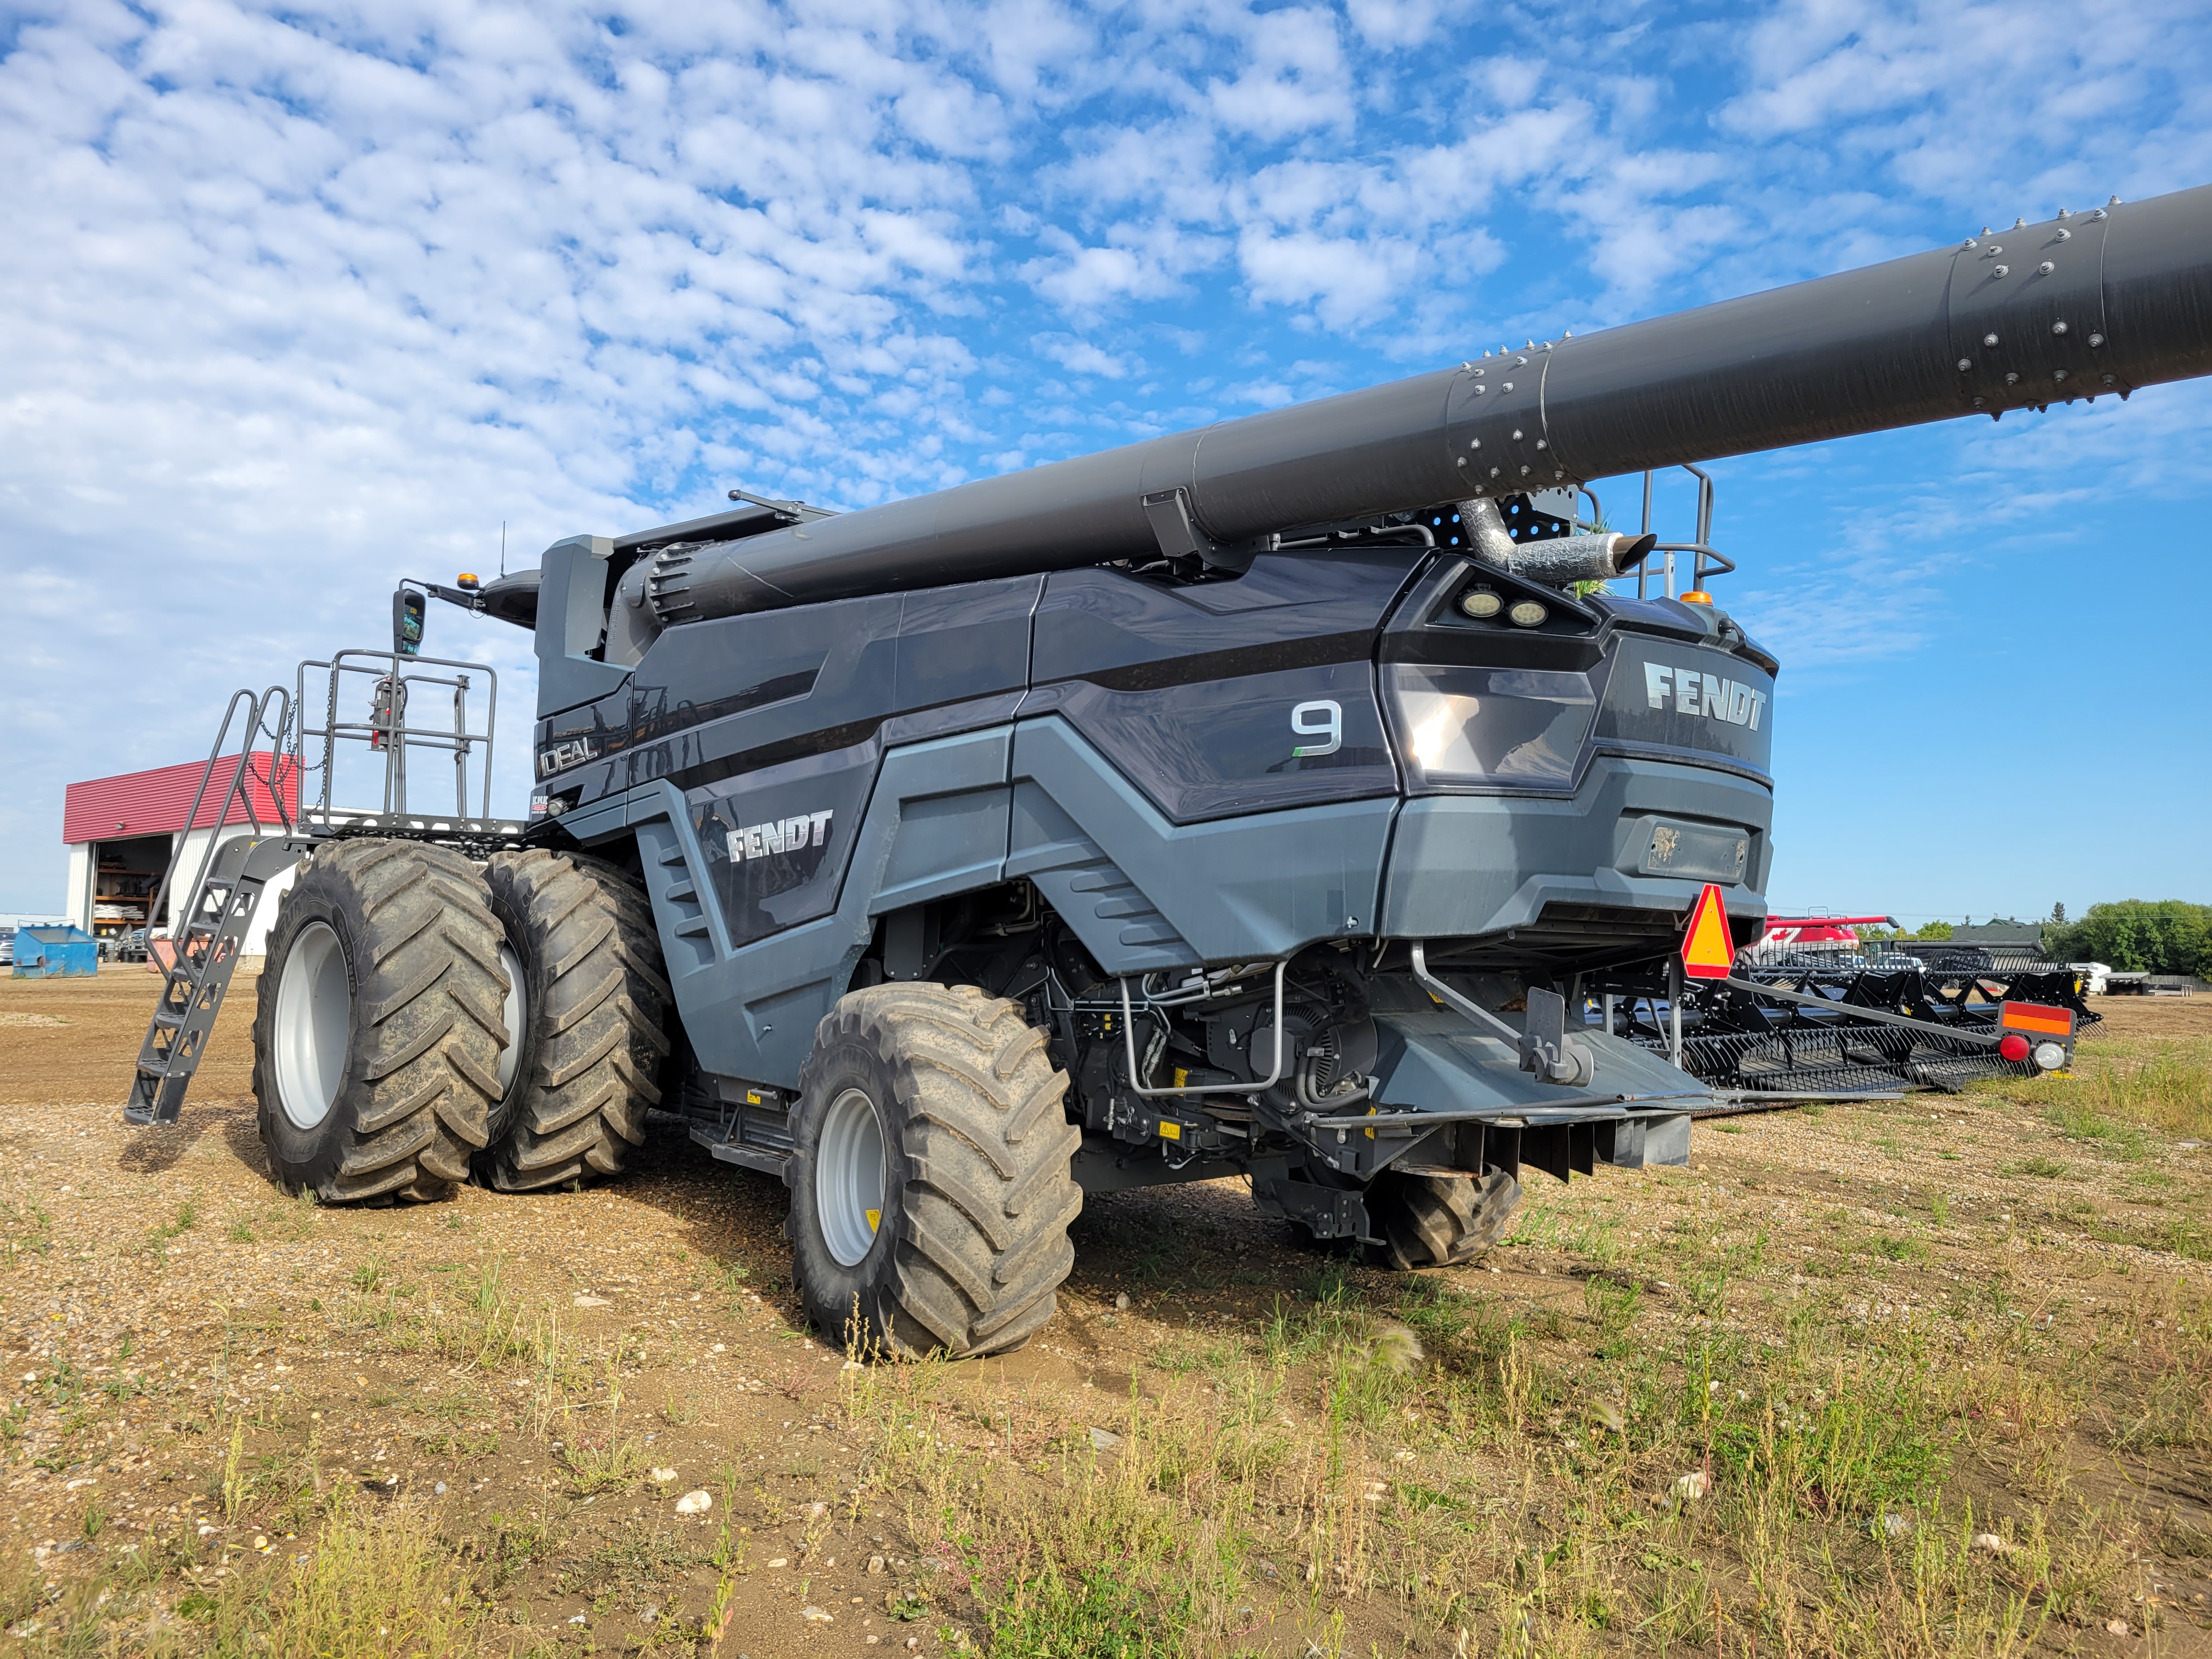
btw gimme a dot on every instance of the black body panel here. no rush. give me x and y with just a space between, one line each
1194 691
1482 706
803 680
777 840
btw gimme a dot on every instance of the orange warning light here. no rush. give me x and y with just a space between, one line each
1708 952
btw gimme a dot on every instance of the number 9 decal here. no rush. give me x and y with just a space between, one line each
1322 718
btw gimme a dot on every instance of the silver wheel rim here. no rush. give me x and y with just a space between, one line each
515 1012
314 1025
848 1176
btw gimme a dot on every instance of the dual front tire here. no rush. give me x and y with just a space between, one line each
418 1016
380 1025
592 1045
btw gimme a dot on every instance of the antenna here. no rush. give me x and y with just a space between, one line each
502 548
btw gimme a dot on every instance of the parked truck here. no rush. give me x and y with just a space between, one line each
1264 801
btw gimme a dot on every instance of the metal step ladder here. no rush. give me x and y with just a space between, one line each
220 903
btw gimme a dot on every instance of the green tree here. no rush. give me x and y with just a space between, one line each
1932 930
2139 936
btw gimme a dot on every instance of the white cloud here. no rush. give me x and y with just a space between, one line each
1394 23
304 298
1081 356
1293 80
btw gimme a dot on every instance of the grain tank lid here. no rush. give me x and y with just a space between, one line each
756 515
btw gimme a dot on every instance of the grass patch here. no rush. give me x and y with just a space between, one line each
1097 1614
2171 1089
187 1217
377 1582
1892 1247
2117 1089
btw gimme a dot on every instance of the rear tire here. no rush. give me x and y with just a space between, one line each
1440 1221
593 1005
377 1029
933 1184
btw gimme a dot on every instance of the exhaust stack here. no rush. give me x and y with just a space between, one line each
1555 563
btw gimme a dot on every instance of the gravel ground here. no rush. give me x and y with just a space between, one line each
157 1287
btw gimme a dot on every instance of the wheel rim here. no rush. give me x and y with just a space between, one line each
848 1176
314 1025
515 1012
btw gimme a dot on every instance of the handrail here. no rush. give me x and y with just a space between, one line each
387 729
1705 560
257 708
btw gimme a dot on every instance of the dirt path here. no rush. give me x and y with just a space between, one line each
198 1362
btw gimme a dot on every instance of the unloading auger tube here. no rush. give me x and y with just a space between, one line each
2107 301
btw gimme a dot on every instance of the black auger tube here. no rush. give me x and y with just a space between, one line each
2102 301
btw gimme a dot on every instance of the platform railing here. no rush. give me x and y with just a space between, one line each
393 683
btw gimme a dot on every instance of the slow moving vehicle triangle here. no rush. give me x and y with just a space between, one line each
1708 952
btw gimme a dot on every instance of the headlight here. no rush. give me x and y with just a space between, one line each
2050 1056
1527 613
1481 603
1484 724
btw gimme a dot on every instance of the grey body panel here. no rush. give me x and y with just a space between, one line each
1468 864
572 611
1431 1059
1253 888
935 823
964 812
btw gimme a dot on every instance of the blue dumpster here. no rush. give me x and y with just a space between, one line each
55 952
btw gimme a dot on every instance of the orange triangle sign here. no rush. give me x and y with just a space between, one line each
1707 951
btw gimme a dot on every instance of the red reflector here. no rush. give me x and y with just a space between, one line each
2014 1047
2036 1017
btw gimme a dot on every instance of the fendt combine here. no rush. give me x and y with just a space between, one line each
1277 799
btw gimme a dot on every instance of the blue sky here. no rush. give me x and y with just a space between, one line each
303 299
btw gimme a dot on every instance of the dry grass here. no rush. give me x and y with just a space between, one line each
1505 1497
370 1581
2131 1079
1769 1403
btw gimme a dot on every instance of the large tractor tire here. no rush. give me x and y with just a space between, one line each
592 1008
1440 1220
933 1183
379 1027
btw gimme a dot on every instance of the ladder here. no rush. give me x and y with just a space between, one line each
212 923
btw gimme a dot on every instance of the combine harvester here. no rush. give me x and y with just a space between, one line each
1830 1018
1269 800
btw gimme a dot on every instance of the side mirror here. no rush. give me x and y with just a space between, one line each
408 607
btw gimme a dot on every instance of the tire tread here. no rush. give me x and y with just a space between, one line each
420 1073
982 1247
597 1020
